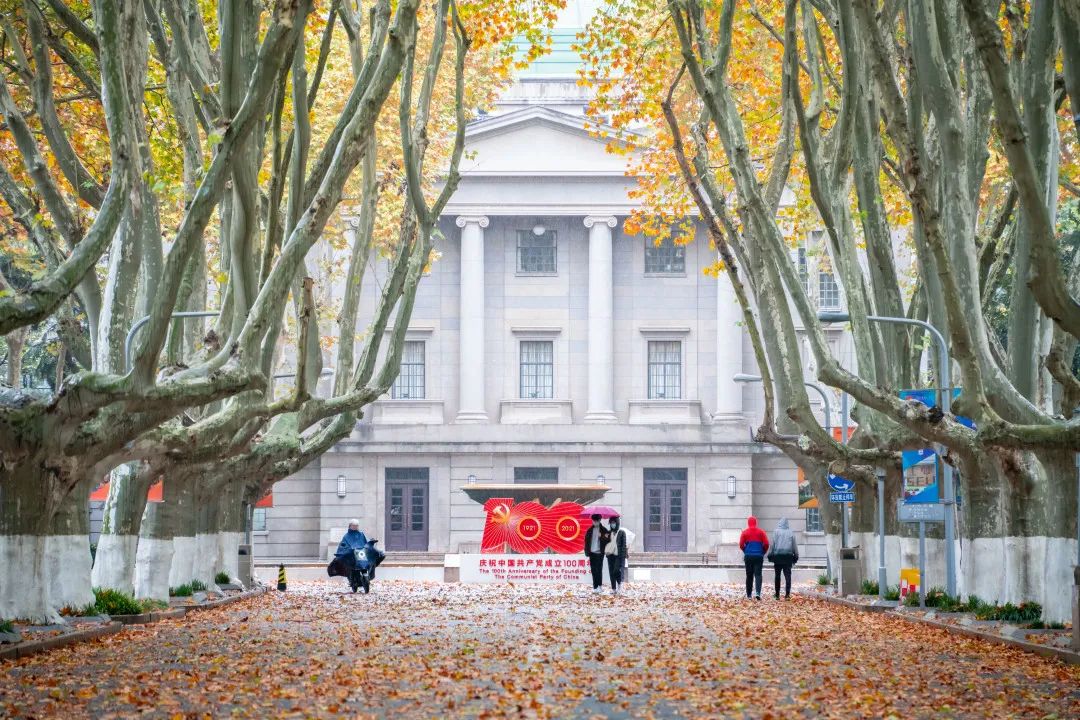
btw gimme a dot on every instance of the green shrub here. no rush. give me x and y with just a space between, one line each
1022 613
976 605
6 626
934 597
222 578
114 602
88 611
148 605
198 586
868 587
184 590
892 593
823 579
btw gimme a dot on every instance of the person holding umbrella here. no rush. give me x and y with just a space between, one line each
616 553
596 540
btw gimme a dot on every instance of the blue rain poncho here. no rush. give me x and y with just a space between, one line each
353 540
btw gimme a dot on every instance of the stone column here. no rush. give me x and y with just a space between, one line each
601 406
471 408
729 350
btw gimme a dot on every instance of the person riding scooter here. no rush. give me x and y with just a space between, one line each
352 541
356 558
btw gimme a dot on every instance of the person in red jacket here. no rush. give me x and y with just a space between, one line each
754 543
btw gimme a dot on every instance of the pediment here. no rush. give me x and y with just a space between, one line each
537 141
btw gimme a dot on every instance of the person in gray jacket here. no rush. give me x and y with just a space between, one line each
783 553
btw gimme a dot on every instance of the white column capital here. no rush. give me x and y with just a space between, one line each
608 220
463 220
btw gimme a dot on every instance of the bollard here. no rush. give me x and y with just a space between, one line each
1076 608
281 578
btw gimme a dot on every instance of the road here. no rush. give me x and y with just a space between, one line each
434 650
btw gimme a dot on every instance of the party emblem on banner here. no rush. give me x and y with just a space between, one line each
530 528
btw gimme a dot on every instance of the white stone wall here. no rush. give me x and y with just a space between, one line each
293 522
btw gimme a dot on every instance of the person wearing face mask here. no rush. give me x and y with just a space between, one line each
596 539
616 553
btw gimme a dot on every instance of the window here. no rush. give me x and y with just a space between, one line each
536 253
410 380
668 258
803 268
534 475
813 520
537 371
665 369
828 291
258 520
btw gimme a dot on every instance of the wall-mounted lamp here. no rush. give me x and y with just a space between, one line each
341 486
539 230
471 479
600 479
731 486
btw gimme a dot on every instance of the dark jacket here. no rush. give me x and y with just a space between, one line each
605 536
753 541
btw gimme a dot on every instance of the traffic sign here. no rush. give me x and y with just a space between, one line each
920 512
842 497
840 484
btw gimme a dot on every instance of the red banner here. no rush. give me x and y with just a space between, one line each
530 528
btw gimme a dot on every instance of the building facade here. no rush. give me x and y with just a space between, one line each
547 345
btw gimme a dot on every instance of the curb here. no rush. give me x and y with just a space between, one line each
222 602
33 647
1066 655
117 623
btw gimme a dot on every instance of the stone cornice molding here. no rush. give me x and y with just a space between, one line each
608 220
463 220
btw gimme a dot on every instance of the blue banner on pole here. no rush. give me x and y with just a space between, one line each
921 466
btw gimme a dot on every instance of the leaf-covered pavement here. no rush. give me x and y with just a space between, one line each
432 650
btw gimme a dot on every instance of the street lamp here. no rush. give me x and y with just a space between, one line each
138 325
947 496
745 378
882 577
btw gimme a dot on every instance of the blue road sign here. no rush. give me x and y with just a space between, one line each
840 484
841 497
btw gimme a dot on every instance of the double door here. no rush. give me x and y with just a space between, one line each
407 509
665 510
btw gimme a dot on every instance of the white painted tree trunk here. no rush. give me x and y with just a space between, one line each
114 563
153 562
996 570
207 557
182 568
25 590
67 560
228 553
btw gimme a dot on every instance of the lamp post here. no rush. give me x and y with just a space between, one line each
745 378
947 494
138 325
882 577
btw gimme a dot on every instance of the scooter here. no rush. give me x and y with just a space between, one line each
363 570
